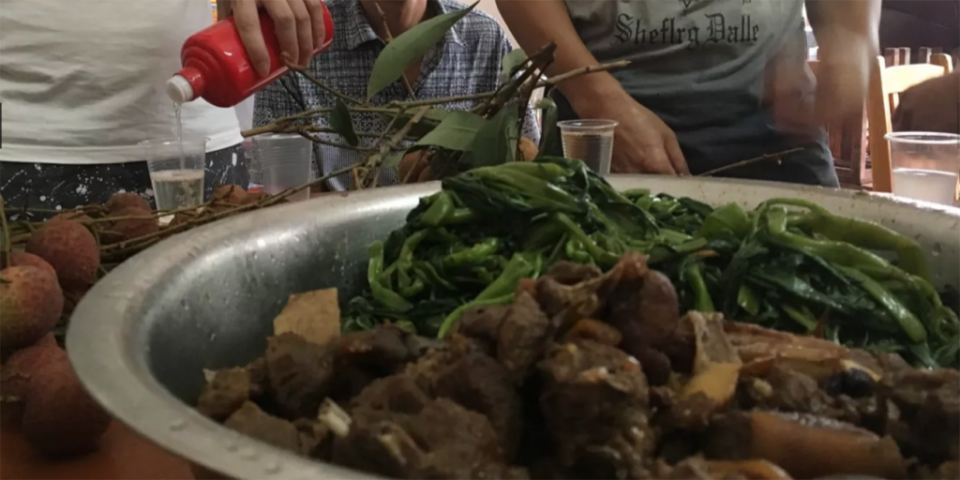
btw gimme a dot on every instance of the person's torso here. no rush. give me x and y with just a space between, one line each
83 82
706 67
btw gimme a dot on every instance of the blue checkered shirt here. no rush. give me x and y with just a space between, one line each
467 61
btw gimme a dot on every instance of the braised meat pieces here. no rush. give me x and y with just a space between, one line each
594 375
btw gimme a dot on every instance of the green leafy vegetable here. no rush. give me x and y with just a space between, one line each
788 264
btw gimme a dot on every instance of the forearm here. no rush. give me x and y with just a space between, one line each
535 23
843 24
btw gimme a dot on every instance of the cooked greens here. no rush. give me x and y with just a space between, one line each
788 264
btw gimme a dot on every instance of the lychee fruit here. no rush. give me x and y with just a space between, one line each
72 251
120 201
60 418
48 340
71 298
70 216
254 198
24 259
23 365
230 194
31 302
134 228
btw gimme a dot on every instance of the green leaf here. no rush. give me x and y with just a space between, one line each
726 219
408 47
456 132
496 142
427 123
393 159
342 123
511 61
549 133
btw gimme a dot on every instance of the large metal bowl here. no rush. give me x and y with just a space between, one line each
206 299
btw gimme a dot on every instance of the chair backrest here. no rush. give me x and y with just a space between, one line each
886 84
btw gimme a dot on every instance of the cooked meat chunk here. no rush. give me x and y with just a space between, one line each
443 440
523 336
595 330
251 421
479 383
806 446
929 404
645 310
594 402
482 322
225 393
300 373
365 356
382 350
396 393
570 273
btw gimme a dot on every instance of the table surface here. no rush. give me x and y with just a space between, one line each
123 455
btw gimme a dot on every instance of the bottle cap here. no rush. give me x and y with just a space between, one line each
179 89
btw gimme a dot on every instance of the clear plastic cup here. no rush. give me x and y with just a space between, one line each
279 162
176 171
926 165
590 141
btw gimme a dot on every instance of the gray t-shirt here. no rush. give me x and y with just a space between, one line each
707 68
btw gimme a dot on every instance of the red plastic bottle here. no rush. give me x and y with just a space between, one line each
217 68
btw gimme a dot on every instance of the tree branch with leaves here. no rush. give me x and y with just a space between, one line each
454 140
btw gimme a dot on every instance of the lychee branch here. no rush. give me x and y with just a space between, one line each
7 248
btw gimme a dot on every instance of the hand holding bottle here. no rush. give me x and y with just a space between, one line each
299 26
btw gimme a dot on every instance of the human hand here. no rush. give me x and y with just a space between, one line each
932 106
299 28
642 142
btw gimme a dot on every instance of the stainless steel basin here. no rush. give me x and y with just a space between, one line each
206 299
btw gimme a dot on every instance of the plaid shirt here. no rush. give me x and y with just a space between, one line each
466 61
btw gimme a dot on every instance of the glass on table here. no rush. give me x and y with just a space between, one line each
176 171
590 141
279 162
925 165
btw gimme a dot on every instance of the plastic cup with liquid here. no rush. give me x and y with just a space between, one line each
590 141
279 162
176 171
926 165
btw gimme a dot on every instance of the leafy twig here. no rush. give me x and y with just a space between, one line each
394 141
316 139
389 35
123 249
7 248
603 67
323 86
742 163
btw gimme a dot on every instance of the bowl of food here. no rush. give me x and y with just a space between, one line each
536 320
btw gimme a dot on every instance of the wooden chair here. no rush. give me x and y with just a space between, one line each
886 83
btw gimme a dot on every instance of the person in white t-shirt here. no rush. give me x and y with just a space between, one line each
82 83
